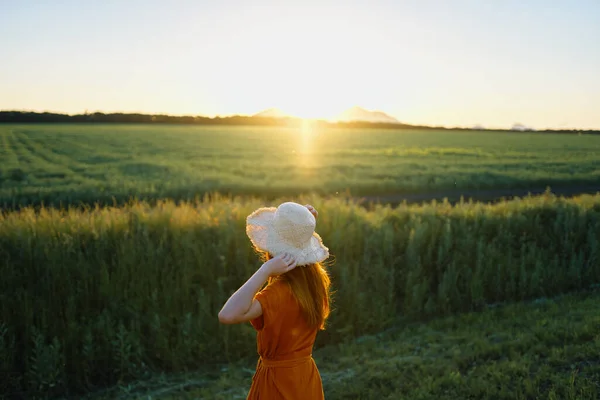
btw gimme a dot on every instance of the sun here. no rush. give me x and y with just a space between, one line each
307 97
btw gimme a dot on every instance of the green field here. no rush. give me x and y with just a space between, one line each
98 163
128 294
94 297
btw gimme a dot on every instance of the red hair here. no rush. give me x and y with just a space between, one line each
310 286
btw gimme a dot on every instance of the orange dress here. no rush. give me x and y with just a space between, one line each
285 369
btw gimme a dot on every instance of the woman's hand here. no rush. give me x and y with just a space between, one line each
312 210
279 265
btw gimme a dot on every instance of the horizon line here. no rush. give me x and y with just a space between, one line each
476 126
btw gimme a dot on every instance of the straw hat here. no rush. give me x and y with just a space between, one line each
289 228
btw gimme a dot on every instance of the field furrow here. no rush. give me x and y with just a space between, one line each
72 146
51 150
40 153
50 168
25 153
7 151
25 159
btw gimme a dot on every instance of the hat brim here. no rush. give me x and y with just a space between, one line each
259 228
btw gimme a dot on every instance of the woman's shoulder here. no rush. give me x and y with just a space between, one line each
278 286
277 292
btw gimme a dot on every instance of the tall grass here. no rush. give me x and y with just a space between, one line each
93 297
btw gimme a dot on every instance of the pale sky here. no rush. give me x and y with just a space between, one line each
444 62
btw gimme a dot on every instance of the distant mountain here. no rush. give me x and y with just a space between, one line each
360 114
521 128
272 113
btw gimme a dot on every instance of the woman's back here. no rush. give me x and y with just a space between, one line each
282 328
285 369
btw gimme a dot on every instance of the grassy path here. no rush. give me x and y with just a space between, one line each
546 349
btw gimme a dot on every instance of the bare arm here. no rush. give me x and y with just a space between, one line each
241 306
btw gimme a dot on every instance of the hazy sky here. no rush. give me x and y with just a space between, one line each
445 62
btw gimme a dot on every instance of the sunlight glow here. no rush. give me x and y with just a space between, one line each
307 136
306 139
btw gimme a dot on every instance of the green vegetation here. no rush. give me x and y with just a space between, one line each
547 349
69 164
93 297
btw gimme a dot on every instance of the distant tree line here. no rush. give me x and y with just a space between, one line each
17 117
122 118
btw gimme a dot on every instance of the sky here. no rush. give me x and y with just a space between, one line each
452 63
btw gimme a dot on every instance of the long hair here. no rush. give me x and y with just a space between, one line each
310 286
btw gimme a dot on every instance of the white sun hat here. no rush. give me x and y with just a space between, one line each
289 228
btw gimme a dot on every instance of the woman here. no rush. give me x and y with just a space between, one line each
293 306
